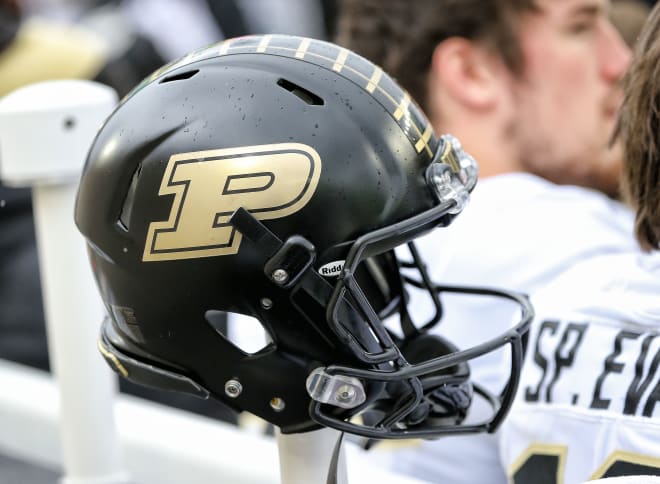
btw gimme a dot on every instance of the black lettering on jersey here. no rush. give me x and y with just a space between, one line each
635 390
567 360
610 366
540 360
654 397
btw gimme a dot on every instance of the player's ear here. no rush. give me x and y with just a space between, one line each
467 72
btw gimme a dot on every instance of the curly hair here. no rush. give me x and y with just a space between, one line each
401 35
639 128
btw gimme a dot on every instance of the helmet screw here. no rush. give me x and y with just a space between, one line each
280 276
266 303
345 394
277 404
233 388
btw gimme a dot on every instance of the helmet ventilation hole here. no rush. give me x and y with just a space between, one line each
127 206
179 77
244 332
300 92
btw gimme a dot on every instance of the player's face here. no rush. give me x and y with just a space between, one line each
567 97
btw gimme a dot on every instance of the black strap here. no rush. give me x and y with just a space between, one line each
333 470
426 279
254 231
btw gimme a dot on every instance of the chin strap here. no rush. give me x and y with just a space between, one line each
333 470
410 331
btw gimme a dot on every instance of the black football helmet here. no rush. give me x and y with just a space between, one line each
272 177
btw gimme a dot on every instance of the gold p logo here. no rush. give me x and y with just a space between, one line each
270 181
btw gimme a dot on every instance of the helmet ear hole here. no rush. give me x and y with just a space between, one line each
244 332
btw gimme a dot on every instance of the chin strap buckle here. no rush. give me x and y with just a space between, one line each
287 261
338 390
290 262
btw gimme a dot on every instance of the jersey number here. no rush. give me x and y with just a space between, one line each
544 464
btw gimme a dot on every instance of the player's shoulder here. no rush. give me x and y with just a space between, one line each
526 186
521 208
628 270
524 193
615 285
524 217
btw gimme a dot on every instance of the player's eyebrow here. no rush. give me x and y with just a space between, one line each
589 9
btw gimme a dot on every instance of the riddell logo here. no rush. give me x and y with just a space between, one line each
332 269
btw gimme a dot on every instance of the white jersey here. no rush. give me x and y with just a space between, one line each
589 399
518 232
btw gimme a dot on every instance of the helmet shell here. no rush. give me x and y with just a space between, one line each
310 138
